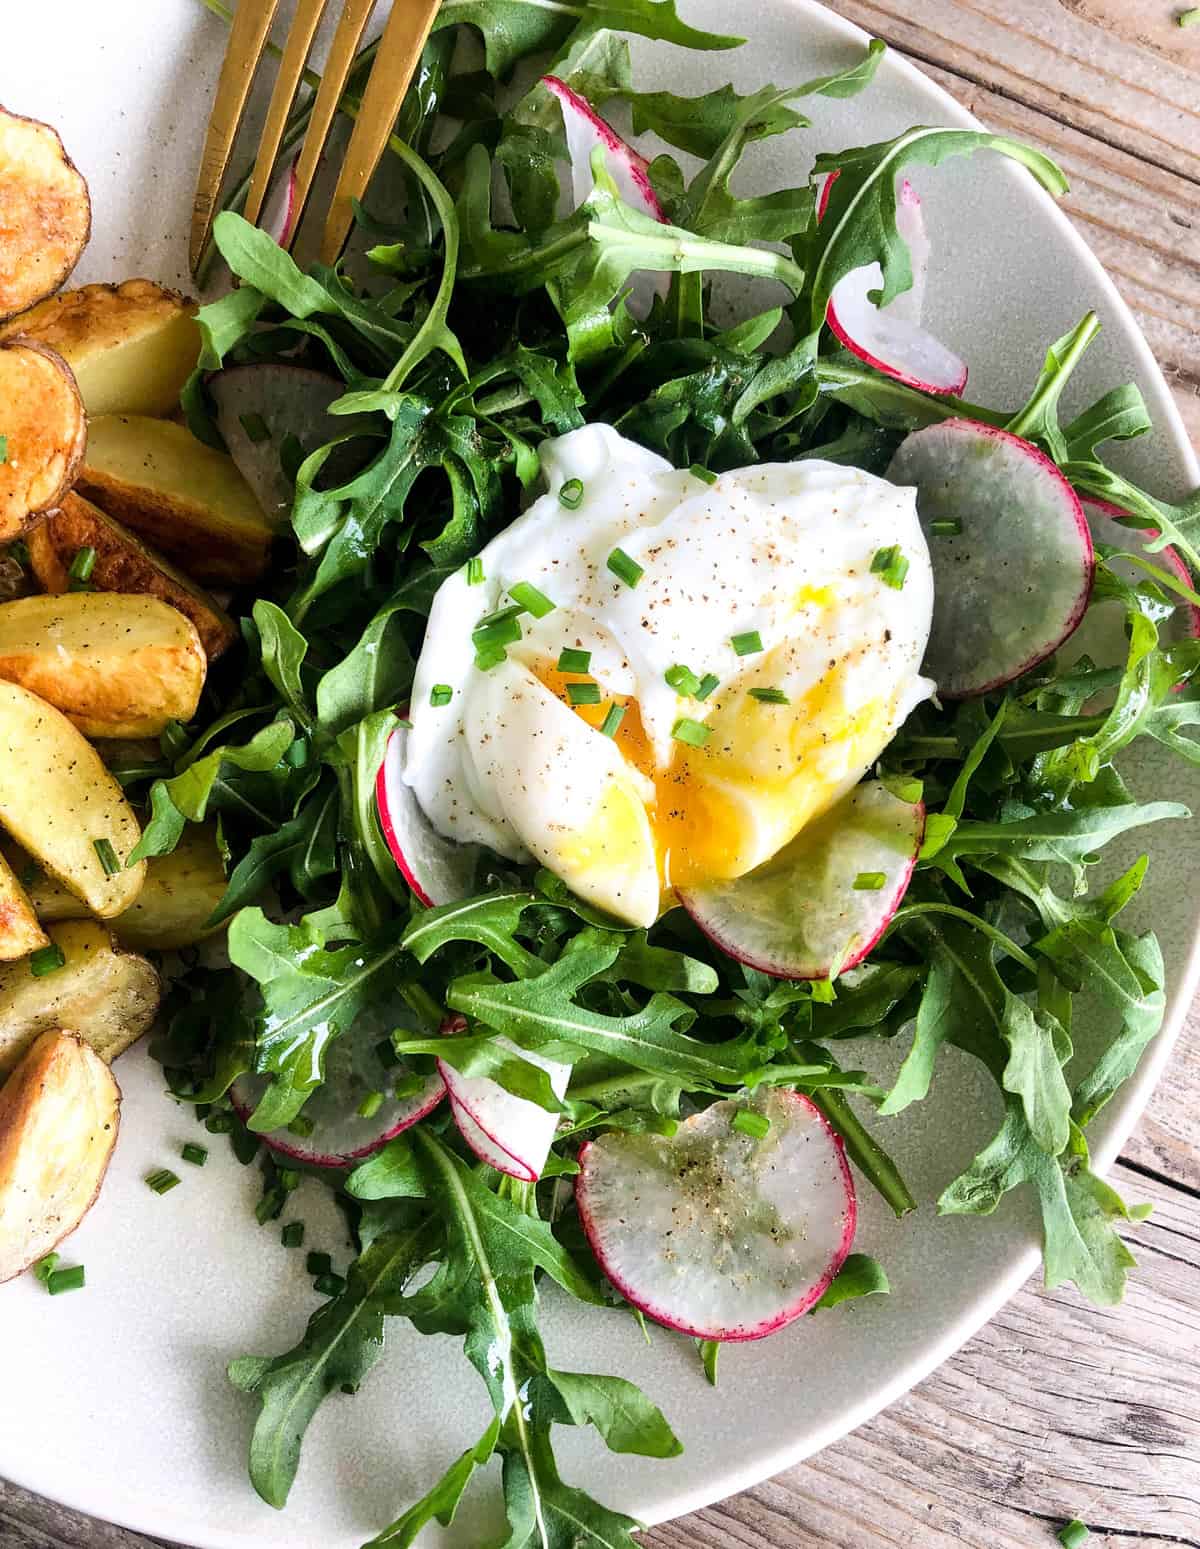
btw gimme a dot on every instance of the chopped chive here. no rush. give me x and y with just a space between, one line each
46 960
532 600
950 528
440 694
255 427
162 1181
583 693
570 494
44 1268
221 1124
496 632
747 1122
318 1263
869 881
289 1179
890 565
769 696
708 682
698 471
203 1110
3 449
370 1105
683 680
1074 1533
296 755
407 1086
491 657
196 1155
107 856
61 1280
748 644
624 568
270 1206
474 570
571 660
512 610
612 721
301 1125
292 1235
329 1285
694 733
1189 18
82 565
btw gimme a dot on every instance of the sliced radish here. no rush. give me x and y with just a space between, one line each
510 1133
801 915
354 1070
280 208
585 130
287 401
891 338
717 1233
1011 551
438 870
1103 519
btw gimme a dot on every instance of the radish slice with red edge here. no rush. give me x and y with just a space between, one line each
259 406
822 903
585 130
715 1232
1104 520
438 870
280 208
890 339
507 1132
359 1064
1010 547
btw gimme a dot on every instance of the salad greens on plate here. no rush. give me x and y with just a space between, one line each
485 321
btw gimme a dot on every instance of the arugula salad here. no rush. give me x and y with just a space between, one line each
551 917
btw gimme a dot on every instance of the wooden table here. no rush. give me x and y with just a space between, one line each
1056 1409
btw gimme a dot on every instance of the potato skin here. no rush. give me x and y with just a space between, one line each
45 212
178 494
46 429
131 346
56 796
123 564
117 666
20 933
60 1111
109 996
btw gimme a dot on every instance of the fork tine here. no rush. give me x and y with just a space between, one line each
350 28
399 50
291 67
247 39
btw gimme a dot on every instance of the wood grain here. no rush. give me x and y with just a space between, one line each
1056 1409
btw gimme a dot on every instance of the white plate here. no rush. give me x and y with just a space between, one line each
114 1399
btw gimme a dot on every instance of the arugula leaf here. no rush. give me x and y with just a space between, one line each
442 1501
621 1412
283 649
859 1276
375 675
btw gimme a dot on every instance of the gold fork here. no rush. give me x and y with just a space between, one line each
399 49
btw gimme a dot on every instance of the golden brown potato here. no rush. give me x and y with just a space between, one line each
59 1114
109 997
123 564
117 666
131 346
188 500
45 431
45 212
57 800
20 933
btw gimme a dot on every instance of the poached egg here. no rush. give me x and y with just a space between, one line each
691 669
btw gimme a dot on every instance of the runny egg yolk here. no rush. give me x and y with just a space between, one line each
764 772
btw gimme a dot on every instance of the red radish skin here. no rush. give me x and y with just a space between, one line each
487 1148
749 917
438 870
1168 558
1041 518
299 1150
815 1287
510 1133
279 213
586 129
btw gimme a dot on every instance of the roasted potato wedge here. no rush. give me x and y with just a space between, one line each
116 666
110 997
20 933
123 564
57 799
131 346
188 500
59 1115
45 212
45 431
